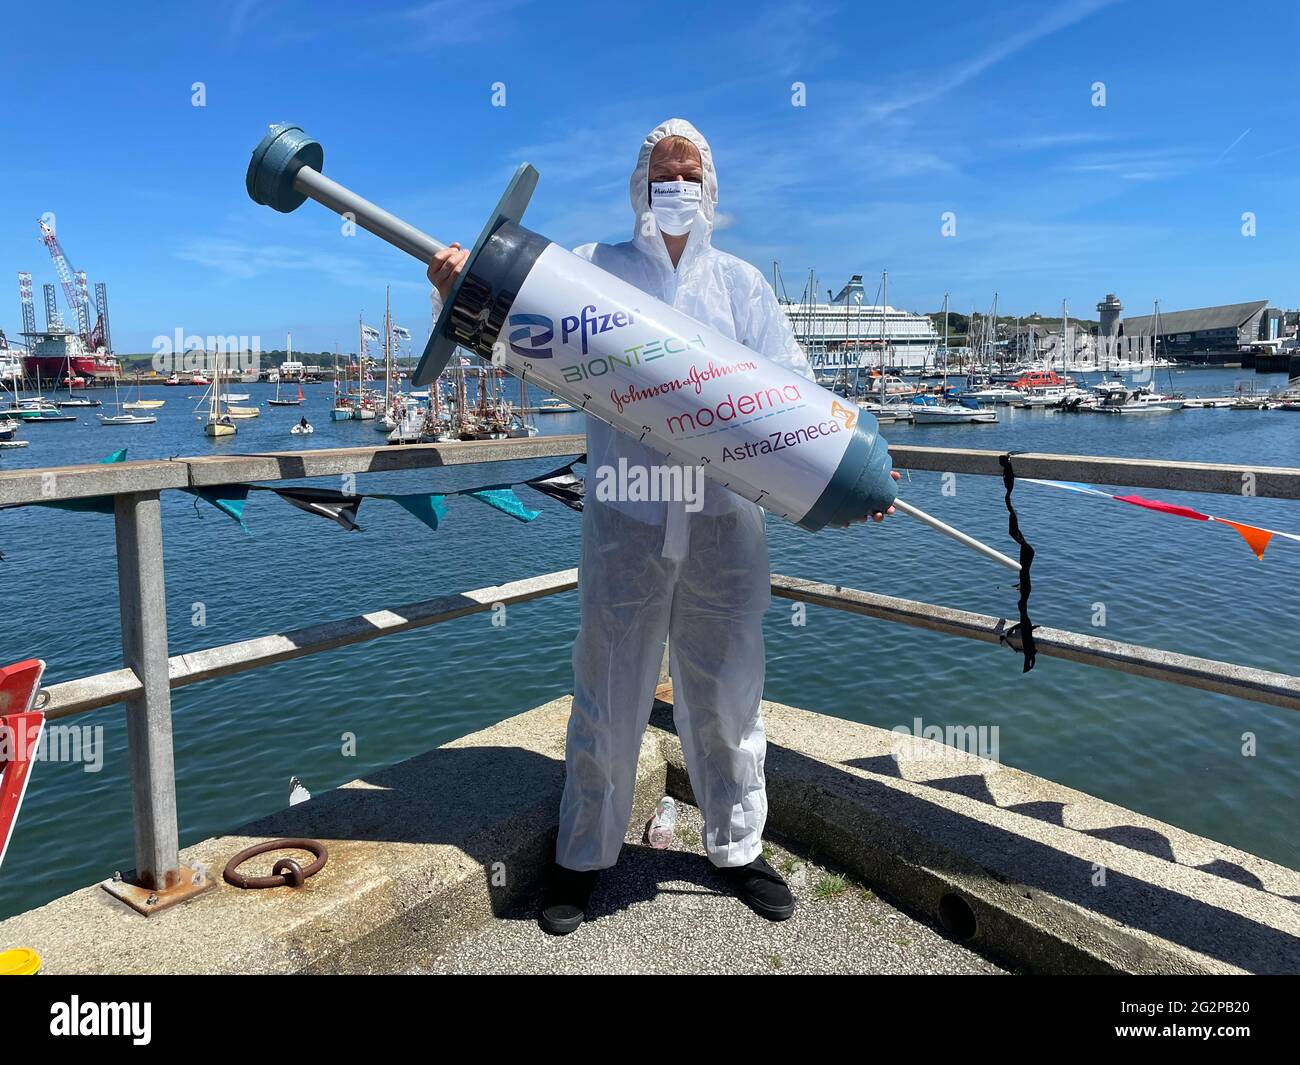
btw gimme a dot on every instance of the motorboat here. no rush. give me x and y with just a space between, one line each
1043 396
1142 400
932 410
990 394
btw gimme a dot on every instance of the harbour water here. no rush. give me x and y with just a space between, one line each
1172 753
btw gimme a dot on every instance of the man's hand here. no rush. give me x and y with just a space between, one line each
446 267
877 516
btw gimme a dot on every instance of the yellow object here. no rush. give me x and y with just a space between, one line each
21 961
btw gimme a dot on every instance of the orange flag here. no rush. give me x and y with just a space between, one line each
1257 538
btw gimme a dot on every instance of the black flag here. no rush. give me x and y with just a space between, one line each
337 506
562 484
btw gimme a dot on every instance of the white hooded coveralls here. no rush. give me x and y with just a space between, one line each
650 570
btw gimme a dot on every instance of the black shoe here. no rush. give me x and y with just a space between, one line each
761 888
564 904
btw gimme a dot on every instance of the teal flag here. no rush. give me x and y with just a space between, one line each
429 508
230 499
90 504
502 497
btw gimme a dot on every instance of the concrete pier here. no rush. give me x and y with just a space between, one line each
434 864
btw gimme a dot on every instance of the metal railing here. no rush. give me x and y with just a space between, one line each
148 674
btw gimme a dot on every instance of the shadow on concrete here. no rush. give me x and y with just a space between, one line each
1194 923
493 804
890 824
1135 837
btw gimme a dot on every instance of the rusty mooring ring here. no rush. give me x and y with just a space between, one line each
286 870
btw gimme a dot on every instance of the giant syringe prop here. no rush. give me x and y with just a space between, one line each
682 387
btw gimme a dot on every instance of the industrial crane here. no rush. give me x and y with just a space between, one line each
76 293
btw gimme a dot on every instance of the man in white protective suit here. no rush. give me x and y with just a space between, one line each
694 570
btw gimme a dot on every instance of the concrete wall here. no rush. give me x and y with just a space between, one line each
1039 876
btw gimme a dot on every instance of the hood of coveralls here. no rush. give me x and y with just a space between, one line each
639 189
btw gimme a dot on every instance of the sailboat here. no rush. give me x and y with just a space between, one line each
121 417
930 411
1145 399
278 402
888 405
364 409
519 428
35 409
219 422
75 401
394 414
142 404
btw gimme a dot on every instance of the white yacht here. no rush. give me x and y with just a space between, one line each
1143 400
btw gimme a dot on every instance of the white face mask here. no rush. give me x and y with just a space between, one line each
675 205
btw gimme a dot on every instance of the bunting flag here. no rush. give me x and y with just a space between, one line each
230 499
86 505
501 497
562 484
1256 536
337 506
429 508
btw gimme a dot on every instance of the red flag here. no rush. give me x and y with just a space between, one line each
1164 508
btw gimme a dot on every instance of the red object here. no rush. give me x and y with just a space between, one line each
51 368
1164 508
1038 379
20 733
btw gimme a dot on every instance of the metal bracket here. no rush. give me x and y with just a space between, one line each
185 883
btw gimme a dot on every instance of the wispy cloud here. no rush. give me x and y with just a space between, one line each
931 87
419 27
242 261
1234 144
1139 164
446 22
790 40
241 13
1042 141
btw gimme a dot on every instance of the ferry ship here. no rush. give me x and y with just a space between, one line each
850 334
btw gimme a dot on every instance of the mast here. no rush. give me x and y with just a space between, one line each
945 341
993 331
1065 336
214 398
388 351
884 322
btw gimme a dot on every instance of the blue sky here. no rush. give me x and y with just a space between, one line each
912 110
